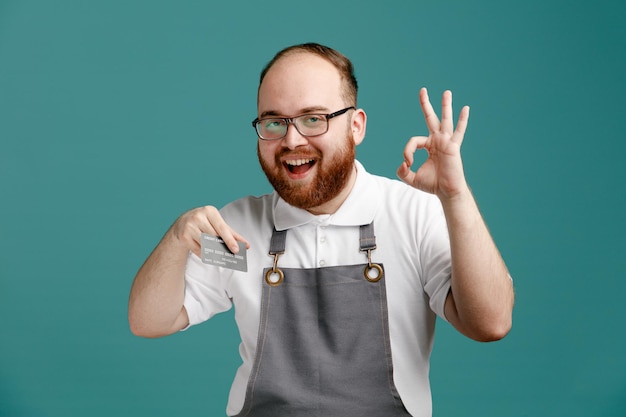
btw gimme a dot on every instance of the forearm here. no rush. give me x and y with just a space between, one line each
158 293
156 299
481 300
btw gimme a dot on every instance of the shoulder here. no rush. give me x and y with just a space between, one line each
250 204
394 195
249 210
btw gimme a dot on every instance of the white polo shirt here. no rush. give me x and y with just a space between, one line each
412 244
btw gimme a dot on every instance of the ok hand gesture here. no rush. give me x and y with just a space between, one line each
442 173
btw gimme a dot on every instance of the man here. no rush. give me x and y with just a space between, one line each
335 319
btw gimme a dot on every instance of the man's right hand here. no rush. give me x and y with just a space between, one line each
189 227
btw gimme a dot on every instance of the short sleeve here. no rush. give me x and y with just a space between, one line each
436 261
205 295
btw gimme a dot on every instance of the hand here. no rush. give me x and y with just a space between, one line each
442 173
189 227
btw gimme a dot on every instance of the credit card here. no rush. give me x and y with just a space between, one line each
215 252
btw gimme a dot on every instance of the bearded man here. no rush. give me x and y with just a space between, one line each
335 319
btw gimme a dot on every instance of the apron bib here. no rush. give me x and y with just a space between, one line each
323 348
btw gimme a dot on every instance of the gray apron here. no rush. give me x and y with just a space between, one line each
323 348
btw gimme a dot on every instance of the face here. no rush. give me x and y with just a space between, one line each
310 179
308 172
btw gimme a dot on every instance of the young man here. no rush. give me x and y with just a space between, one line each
335 319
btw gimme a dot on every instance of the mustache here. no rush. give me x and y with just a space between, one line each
300 153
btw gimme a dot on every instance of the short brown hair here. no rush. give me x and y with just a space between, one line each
339 61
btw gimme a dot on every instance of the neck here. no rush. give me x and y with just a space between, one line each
331 206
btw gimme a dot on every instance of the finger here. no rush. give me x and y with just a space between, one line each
447 124
189 227
404 170
227 234
405 174
432 122
461 125
240 238
214 224
189 233
231 239
196 249
412 145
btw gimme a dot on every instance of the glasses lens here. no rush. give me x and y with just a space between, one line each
312 124
272 128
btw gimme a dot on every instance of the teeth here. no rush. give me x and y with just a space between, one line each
298 162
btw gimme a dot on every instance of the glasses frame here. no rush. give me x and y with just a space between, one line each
291 120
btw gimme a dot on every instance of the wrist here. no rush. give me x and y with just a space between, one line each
460 209
457 195
175 244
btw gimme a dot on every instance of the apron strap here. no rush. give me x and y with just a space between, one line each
367 237
373 272
277 244
367 241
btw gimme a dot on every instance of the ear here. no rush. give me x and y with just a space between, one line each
358 125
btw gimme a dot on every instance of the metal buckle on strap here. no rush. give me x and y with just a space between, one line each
274 277
377 269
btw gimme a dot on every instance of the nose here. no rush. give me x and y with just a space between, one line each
293 138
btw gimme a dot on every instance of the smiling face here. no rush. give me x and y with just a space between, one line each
313 173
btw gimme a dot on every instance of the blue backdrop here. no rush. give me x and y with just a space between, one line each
117 116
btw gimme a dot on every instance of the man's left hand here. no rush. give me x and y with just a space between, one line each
442 173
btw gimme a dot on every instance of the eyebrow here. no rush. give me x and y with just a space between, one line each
306 110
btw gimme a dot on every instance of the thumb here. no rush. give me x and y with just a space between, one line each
404 172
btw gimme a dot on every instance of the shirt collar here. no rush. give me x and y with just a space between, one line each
359 208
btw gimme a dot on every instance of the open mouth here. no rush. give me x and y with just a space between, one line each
299 166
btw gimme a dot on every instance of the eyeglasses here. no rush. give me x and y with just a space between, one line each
274 128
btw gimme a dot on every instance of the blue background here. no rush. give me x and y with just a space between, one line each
118 116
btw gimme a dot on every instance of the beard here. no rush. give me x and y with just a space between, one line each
332 176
